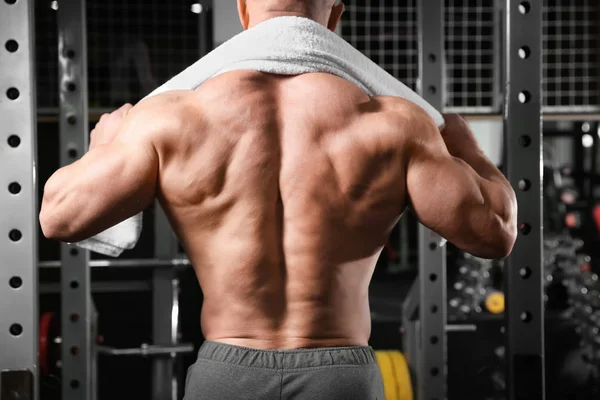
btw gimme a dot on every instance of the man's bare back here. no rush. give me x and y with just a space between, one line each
283 191
283 201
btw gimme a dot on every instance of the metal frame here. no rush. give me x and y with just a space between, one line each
203 28
76 303
524 155
18 199
165 309
427 335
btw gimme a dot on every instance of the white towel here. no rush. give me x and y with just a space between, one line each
282 46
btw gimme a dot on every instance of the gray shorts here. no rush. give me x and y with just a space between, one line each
225 372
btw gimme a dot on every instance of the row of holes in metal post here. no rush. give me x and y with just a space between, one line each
434 371
524 185
14 188
524 97
16 282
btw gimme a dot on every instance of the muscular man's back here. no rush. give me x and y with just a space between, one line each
283 191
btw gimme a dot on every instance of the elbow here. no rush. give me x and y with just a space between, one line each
503 227
52 221
52 227
505 242
56 229
508 231
501 238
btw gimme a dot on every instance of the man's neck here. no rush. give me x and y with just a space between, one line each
255 20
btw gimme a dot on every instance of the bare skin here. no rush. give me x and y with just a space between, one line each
283 191
284 197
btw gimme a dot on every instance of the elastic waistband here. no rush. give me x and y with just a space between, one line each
286 359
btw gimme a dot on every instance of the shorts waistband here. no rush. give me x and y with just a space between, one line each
286 359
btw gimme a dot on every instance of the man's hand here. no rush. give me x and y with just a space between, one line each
108 127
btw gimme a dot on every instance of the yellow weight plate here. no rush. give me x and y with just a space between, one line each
387 373
396 375
402 375
495 303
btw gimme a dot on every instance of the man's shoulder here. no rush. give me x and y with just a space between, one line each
179 102
167 114
403 117
402 108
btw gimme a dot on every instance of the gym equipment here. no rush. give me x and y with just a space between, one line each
18 219
428 300
49 350
476 288
494 302
396 375
50 343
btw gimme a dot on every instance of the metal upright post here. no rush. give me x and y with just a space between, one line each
524 156
165 309
18 202
431 334
204 27
76 304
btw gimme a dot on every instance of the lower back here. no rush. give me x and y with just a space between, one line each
288 203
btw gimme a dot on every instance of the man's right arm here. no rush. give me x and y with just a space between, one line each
456 191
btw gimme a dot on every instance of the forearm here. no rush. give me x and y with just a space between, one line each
494 218
60 204
494 186
482 165
461 143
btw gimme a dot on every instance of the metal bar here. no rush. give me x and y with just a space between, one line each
18 202
94 355
545 117
102 287
498 76
411 348
134 263
461 328
593 170
146 350
410 307
205 33
471 110
75 274
49 115
431 373
165 309
524 155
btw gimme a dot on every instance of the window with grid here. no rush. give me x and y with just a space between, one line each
472 60
571 55
133 47
386 32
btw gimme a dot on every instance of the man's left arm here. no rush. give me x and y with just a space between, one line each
114 181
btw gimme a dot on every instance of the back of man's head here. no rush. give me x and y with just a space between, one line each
326 12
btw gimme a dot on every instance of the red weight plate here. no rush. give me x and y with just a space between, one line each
46 323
